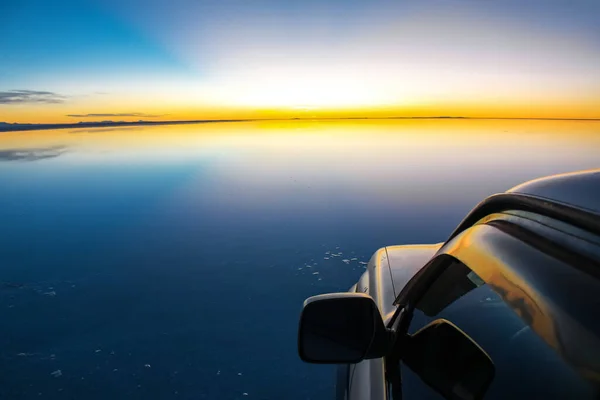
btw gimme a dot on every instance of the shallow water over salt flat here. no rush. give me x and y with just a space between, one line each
172 261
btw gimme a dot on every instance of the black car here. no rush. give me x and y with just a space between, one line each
508 307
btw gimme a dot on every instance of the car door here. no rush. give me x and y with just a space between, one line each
516 302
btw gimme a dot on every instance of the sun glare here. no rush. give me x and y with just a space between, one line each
304 91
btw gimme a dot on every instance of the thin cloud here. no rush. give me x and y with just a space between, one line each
30 96
32 154
135 114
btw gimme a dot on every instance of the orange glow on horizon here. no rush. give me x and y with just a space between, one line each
430 58
40 114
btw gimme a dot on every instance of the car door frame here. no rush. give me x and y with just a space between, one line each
502 254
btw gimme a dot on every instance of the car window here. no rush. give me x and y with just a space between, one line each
526 367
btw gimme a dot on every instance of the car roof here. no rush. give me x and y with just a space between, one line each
573 198
576 189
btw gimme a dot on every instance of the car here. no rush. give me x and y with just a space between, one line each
507 308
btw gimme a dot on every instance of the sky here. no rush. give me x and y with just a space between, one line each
87 60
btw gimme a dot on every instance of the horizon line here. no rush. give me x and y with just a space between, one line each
17 126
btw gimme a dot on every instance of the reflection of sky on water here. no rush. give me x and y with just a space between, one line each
180 246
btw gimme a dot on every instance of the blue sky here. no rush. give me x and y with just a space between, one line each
203 57
62 38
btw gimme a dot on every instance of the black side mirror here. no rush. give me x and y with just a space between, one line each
449 361
341 328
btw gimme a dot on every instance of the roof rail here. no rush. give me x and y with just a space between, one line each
519 202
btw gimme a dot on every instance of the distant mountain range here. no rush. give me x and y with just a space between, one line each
7 127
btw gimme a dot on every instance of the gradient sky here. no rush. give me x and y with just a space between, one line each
85 60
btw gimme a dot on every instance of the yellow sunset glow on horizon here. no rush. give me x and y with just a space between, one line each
428 59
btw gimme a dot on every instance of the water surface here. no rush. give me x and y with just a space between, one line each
172 261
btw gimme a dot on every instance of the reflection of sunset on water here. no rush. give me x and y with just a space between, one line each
379 161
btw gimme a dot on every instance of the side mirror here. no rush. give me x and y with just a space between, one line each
341 328
449 361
